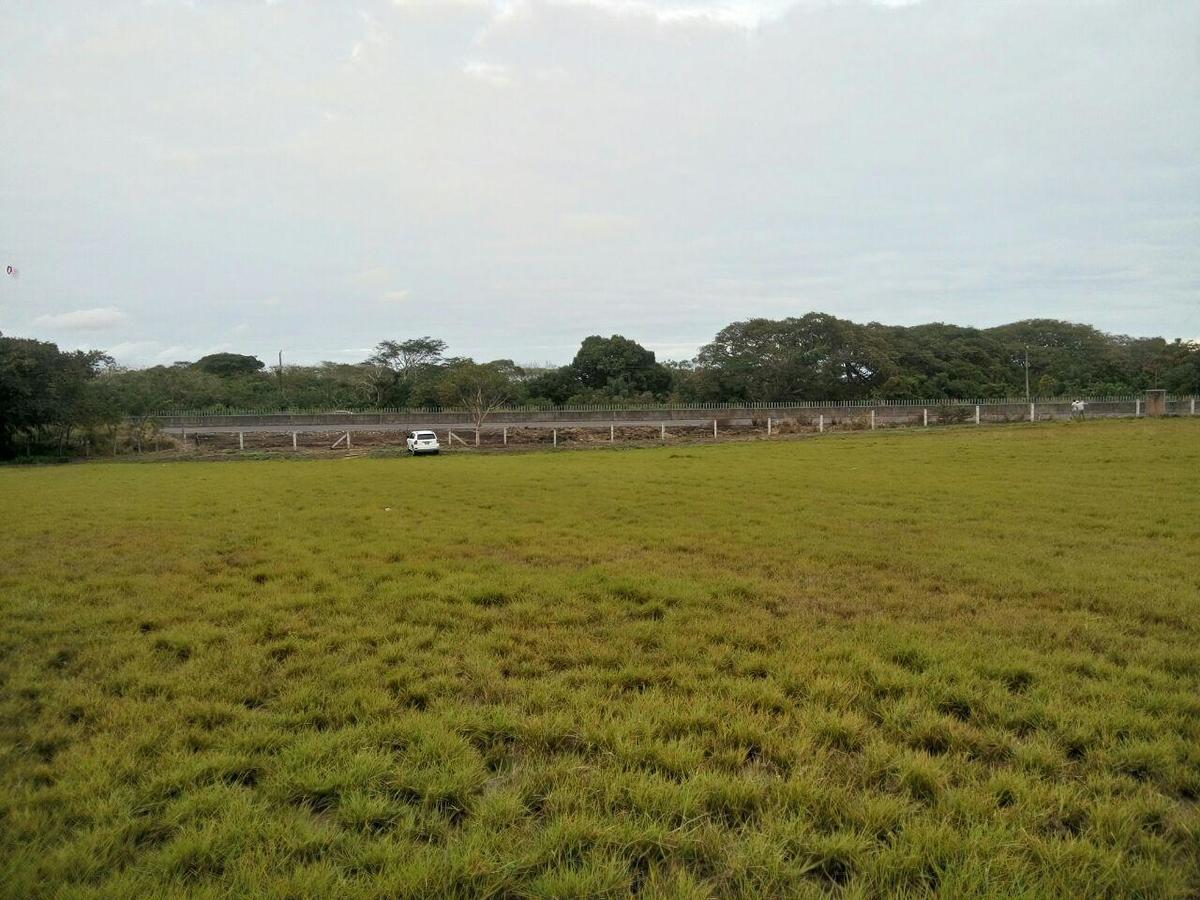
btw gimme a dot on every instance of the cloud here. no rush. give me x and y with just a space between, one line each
738 15
137 350
372 277
97 319
379 283
489 73
599 224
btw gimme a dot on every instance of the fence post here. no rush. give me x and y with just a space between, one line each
293 440
476 437
1032 414
662 431
1137 407
612 433
768 426
977 414
555 437
821 423
347 440
505 435
714 427
872 420
241 441
1193 406
925 418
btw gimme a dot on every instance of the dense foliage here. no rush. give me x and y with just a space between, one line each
47 394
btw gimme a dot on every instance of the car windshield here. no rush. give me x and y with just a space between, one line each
426 436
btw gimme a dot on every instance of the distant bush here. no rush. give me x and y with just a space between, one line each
952 415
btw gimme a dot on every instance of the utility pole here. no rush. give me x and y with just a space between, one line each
1026 371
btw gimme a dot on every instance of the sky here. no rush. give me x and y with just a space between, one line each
179 178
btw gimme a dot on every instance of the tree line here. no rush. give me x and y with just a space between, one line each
56 401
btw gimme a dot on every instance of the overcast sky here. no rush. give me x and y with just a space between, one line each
178 178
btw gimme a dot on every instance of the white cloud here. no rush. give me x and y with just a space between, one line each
135 350
489 73
372 277
744 15
379 282
599 224
97 319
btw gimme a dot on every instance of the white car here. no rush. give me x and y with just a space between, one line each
422 442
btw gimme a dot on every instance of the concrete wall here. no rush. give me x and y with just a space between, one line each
943 412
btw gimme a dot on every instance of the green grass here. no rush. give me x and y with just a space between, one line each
898 664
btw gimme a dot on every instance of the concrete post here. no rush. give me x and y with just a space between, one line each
925 418
768 426
241 441
293 440
872 420
1137 408
1032 414
1156 402
821 423
976 415
347 440
1193 406
612 433
505 435
476 437
662 431
555 436
714 427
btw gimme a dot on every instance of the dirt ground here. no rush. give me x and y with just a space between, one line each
361 442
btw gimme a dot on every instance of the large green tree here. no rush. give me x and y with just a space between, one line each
618 367
816 356
392 374
43 390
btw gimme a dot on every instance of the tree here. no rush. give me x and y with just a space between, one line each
42 388
393 370
229 365
1069 357
816 356
619 367
480 389
145 392
555 385
1181 367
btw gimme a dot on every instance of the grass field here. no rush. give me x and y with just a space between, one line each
965 662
